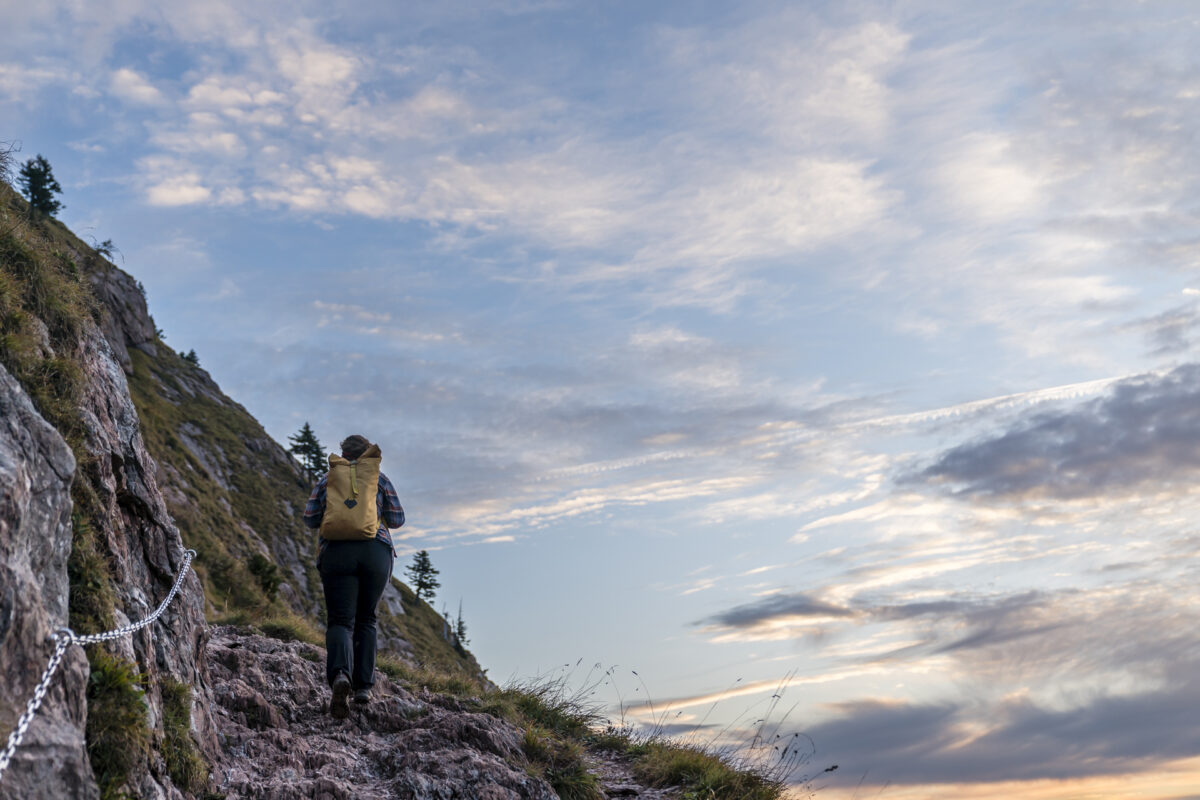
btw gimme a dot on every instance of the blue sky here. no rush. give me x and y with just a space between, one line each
846 345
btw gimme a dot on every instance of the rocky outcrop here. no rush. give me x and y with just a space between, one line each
36 467
143 547
280 742
140 551
129 324
119 396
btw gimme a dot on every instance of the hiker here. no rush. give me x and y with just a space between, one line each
355 562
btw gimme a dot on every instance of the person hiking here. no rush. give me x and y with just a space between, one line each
353 506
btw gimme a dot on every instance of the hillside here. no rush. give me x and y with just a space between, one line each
234 492
119 454
116 454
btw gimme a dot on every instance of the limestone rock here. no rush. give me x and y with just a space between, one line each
278 740
35 540
128 323
143 545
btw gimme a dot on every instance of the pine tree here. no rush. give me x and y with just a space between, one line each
460 627
423 576
190 357
309 451
39 186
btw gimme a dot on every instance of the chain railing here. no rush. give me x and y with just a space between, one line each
64 638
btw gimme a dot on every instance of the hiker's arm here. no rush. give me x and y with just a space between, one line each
391 512
315 509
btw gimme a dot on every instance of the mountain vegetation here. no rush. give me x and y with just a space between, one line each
309 452
163 459
423 575
40 187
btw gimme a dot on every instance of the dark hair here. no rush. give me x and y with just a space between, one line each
354 446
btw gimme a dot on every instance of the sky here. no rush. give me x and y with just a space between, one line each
831 362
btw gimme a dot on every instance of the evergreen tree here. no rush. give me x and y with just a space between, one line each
422 575
190 357
460 627
309 451
39 186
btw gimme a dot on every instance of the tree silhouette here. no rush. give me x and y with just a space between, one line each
309 451
39 186
460 627
423 576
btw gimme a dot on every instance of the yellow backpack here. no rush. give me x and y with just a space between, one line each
350 489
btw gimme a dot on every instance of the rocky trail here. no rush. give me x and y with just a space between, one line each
278 741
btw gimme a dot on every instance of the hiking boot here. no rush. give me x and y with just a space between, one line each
338 707
362 697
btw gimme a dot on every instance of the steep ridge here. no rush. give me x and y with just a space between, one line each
236 494
78 479
92 535
125 550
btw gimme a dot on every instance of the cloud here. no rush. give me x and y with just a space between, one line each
134 88
18 82
1170 332
180 190
982 173
1145 430
910 743
777 607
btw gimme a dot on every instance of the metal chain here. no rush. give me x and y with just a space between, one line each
64 638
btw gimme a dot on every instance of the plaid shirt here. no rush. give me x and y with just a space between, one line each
386 500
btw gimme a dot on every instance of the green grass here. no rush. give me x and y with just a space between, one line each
452 681
560 725
423 628
701 774
91 602
237 577
35 287
559 760
287 626
557 727
185 765
118 732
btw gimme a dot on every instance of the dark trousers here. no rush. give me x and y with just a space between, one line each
354 575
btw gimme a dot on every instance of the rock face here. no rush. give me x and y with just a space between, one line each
128 324
137 542
35 540
143 547
280 742
256 715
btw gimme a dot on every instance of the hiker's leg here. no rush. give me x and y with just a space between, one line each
375 572
340 580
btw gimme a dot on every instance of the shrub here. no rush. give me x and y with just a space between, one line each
267 574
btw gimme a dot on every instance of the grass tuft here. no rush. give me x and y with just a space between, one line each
287 626
560 761
91 603
454 681
118 732
185 765
701 774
